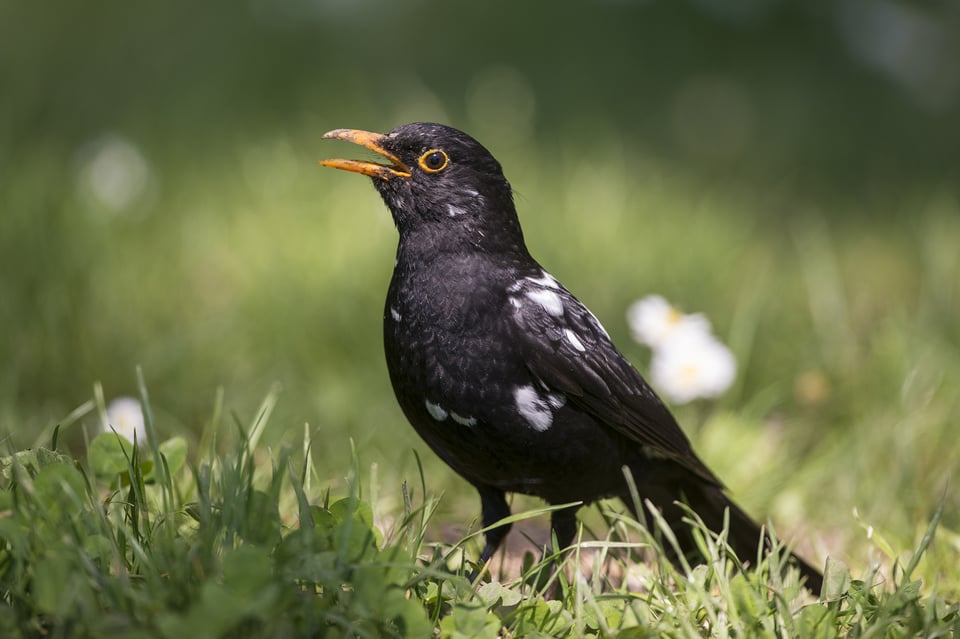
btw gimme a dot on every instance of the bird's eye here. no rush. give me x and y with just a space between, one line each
433 161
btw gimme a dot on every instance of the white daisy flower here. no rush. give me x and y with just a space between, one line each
688 361
653 320
125 416
690 365
113 172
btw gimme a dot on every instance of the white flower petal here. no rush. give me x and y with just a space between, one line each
691 365
125 416
653 320
114 172
649 318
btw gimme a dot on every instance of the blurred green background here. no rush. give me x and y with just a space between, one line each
790 169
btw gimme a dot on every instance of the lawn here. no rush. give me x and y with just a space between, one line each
846 341
165 234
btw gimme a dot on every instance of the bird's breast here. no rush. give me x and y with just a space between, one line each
443 337
464 385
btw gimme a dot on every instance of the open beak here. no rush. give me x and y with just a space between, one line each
372 141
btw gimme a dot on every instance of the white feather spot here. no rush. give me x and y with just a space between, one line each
549 300
435 410
514 302
395 314
454 211
546 280
463 421
532 408
556 400
574 340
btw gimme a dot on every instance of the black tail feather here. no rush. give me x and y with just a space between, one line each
710 504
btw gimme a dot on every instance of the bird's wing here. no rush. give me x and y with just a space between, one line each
567 349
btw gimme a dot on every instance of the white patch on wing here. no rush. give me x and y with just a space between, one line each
546 280
435 410
463 421
574 340
454 211
533 408
395 314
549 300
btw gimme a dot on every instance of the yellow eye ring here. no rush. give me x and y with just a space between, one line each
433 161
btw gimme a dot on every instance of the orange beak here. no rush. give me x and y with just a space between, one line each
372 141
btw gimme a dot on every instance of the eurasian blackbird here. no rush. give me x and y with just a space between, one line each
506 375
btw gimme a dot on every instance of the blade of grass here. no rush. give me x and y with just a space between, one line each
263 416
927 538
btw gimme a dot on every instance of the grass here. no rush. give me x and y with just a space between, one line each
841 426
136 542
822 244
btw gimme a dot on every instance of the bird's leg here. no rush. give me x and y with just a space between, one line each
564 526
563 523
493 505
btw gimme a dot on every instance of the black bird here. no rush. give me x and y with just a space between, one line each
507 376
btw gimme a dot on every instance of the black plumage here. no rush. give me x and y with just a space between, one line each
502 371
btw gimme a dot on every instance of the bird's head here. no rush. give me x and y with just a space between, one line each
440 181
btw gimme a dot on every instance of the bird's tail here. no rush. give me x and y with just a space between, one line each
710 504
